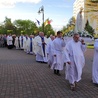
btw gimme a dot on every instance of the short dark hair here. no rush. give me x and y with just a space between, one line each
59 32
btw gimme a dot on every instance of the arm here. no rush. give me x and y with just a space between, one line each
83 45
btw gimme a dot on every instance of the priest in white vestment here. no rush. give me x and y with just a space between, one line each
75 60
95 64
57 49
41 55
21 38
35 49
17 42
9 41
49 50
79 22
30 44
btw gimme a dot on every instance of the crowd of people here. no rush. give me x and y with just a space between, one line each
56 52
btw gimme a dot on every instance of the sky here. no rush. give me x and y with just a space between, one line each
59 11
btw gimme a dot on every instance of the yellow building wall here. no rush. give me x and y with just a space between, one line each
90 12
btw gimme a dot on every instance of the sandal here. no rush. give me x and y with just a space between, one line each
72 86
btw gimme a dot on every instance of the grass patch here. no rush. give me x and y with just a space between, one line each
90 46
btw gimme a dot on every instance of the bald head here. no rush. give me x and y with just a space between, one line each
76 37
52 37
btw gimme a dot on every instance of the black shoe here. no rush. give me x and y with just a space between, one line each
55 71
96 84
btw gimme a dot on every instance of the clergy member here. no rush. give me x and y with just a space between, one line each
49 50
21 38
9 41
95 64
30 44
75 60
57 49
17 42
41 55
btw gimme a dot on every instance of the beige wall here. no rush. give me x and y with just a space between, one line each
90 12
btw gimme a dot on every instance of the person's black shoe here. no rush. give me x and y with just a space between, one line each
96 84
55 71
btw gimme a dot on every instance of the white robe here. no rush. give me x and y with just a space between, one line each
21 41
76 57
79 23
9 40
16 43
95 63
25 43
49 52
29 46
39 53
35 47
57 49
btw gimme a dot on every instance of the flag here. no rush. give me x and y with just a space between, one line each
47 22
38 22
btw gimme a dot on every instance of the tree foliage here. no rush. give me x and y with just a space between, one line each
70 26
23 26
89 28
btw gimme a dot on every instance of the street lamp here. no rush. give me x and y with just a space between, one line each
41 10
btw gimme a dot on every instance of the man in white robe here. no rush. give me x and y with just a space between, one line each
57 49
75 60
25 44
95 64
30 44
9 41
41 55
35 49
21 38
49 50
17 42
79 22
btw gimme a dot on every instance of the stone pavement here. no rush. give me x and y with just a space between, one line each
22 77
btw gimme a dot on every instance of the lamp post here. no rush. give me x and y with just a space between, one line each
41 10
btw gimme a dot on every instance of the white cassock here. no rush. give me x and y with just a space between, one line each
17 43
9 40
25 43
95 63
41 54
49 51
57 49
79 23
21 38
30 45
35 49
74 54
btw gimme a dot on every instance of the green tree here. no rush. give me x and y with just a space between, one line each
25 26
89 28
8 26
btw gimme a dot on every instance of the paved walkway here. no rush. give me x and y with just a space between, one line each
22 77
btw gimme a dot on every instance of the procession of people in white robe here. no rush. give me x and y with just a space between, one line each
56 52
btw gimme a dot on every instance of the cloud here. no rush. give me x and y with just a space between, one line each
11 3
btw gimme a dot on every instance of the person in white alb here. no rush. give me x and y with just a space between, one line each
75 60
57 50
95 64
